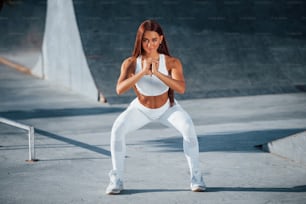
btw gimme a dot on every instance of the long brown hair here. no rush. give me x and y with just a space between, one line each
149 25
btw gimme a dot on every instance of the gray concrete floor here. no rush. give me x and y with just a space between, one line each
72 145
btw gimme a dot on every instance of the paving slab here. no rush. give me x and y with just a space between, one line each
72 144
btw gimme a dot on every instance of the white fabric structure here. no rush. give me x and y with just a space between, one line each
62 59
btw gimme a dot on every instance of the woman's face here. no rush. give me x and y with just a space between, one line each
151 41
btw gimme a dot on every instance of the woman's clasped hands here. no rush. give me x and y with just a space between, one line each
150 66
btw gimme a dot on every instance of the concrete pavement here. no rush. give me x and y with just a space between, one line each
72 145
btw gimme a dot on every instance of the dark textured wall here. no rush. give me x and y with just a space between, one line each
21 29
227 47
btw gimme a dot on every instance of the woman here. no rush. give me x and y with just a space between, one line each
154 75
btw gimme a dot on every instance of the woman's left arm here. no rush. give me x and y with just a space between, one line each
176 80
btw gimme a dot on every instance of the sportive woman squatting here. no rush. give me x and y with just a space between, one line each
154 75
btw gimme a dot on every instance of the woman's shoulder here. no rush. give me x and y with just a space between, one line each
170 60
129 65
128 62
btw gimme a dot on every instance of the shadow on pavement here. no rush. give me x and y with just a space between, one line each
254 189
65 112
136 191
93 148
295 189
236 142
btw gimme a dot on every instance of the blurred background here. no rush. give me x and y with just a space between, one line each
227 47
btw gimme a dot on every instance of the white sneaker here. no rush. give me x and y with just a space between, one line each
197 183
115 185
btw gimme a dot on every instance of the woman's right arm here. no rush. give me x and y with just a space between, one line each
128 78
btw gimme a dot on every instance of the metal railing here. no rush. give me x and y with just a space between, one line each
31 138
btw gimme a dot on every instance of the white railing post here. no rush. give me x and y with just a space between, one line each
31 134
31 144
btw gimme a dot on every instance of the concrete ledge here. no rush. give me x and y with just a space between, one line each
292 147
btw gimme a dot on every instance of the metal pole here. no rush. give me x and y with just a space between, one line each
30 148
33 139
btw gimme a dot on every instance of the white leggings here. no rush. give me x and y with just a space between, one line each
137 115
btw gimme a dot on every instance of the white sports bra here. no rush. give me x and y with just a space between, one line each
151 85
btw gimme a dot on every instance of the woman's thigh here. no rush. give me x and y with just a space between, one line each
130 120
178 118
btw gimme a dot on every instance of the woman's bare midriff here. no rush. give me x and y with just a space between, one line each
153 101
